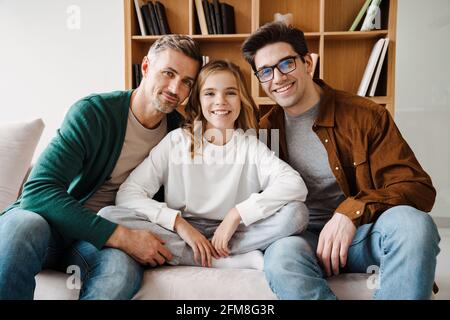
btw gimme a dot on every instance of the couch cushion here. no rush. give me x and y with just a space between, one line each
196 283
52 285
17 144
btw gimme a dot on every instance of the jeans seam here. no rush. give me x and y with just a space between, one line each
88 268
367 236
380 270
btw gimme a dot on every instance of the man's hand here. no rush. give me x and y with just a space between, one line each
143 246
225 231
334 241
198 242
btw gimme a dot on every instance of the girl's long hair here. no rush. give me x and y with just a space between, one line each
195 123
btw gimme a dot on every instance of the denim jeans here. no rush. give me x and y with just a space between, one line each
28 244
402 244
290 219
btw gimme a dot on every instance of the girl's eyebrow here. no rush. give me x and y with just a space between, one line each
229 88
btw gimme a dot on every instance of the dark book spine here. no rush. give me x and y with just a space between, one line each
155 22
161 12
212 17
135 75
218 16
147 19
140 75
207 16
229 18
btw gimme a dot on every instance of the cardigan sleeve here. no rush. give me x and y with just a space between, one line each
46 191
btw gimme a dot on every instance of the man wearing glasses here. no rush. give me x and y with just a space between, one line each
102 139
367 192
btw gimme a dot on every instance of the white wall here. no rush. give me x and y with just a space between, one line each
45 67
46 64
423 89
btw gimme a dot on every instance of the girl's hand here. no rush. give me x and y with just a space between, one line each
200 245
225 231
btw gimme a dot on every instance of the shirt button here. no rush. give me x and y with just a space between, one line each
354 163
358 212
337 168
326 140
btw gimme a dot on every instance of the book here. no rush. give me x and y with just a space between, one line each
147 19
205 60
360 15
162 18
370 67
372 12
142 28
228 22
201 17
218 16
212 16
154 18
137 76
205 4
315 61
374 84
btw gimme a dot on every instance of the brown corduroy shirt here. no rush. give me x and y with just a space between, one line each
372 163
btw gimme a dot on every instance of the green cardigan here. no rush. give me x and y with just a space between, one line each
77 162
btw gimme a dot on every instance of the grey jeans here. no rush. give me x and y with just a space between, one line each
291 219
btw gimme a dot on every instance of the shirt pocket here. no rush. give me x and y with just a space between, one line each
357 171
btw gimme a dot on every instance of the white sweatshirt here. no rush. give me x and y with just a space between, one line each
244 174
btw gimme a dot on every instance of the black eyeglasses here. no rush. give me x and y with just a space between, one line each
285 66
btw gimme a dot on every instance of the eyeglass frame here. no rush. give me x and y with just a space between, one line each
276 66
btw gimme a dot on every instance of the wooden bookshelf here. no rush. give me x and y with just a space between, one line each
343 54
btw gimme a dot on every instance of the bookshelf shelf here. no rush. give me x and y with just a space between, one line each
144 38
381 100
343 54
355 35
268 101
221 37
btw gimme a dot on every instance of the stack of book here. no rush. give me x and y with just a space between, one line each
152 18
215 17
137 75
372 20
373 68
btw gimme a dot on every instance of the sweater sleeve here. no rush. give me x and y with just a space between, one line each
280 184
397 175
144 181
46 191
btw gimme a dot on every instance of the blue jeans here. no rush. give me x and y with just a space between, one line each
403 243
28 244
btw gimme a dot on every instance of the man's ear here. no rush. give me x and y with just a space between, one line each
308 63
145 66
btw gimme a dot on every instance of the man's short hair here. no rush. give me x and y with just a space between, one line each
273 32
180 43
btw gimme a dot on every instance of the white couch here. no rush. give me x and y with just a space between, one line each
197 283
17 145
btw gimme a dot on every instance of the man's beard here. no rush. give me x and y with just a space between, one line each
163 106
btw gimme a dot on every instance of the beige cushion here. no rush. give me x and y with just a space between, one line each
196 283
17 144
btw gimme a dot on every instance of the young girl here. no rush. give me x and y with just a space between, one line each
226 193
